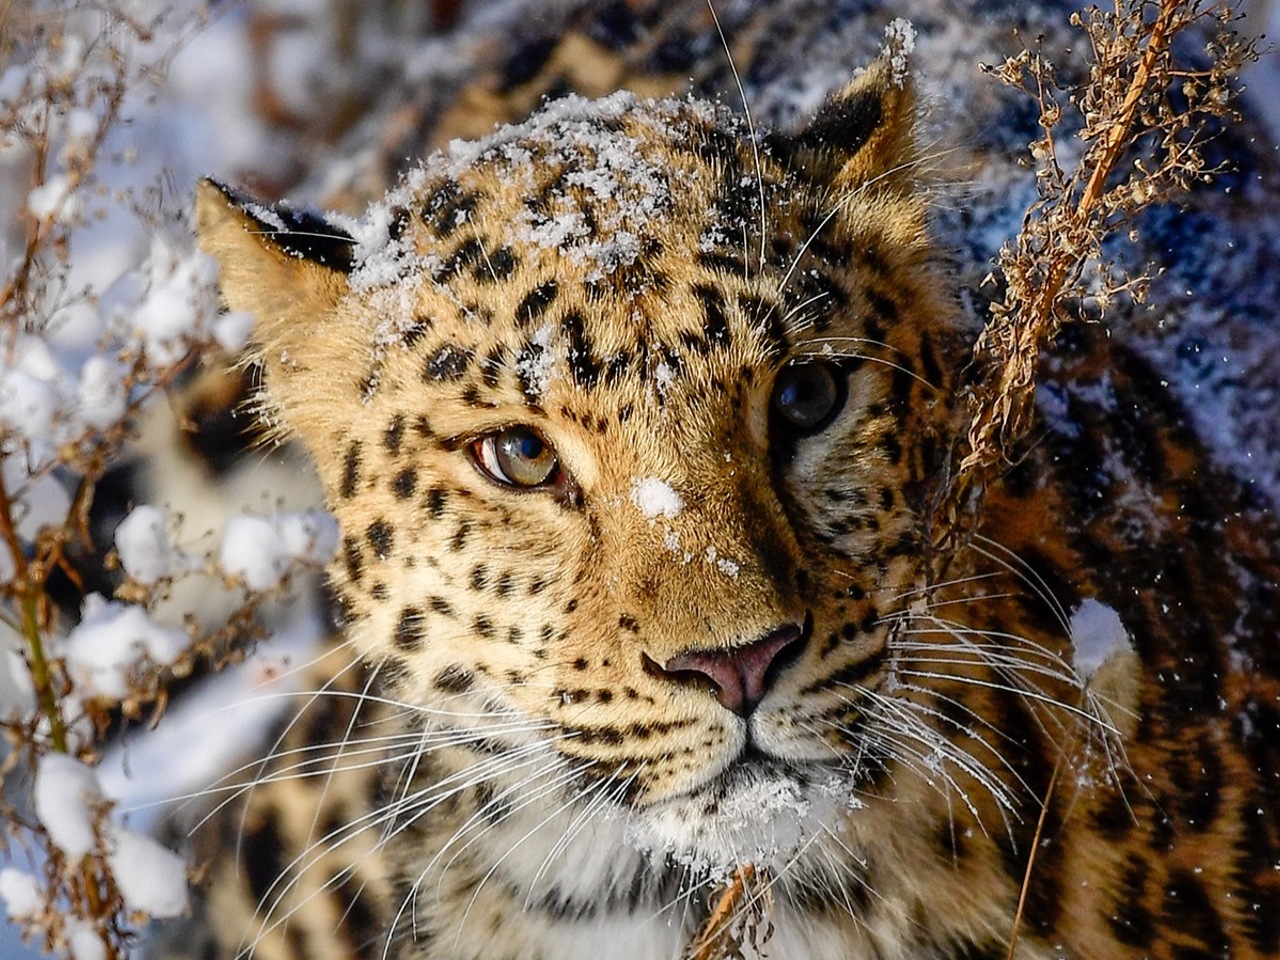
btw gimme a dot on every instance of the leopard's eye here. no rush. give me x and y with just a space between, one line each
516 457
807 395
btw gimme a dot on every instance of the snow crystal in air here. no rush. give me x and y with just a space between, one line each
150 878
65 792
1097 635
20 892
899 43
656 498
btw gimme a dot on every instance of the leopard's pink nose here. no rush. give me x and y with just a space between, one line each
740 676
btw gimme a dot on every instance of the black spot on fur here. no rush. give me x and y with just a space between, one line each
410 630
450 362
351 471
535 303
435 501
527 61
716 324
491 366
263 851
460 536
582 361
454 679
721 262
405 483
381 538
394 435
413 335
352 559
497 266
468 254
450 207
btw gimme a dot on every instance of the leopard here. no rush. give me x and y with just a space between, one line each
634 415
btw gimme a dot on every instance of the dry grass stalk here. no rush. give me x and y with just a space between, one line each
1143 119
738 918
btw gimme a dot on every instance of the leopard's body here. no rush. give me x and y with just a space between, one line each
712 633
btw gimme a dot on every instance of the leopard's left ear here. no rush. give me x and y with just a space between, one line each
289 269
865 133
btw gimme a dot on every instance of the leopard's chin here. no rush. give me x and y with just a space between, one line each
759 810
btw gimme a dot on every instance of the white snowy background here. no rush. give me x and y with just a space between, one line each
207 118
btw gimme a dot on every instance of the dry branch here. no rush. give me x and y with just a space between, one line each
1144 119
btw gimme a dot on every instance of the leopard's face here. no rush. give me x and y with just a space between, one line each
629 426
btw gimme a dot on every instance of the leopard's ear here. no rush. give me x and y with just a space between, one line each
289 269
865 133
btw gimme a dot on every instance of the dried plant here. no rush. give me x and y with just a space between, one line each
739 918
80 355
1138 127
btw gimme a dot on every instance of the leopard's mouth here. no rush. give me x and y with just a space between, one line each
759 809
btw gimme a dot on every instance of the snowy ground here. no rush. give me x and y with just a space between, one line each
209 119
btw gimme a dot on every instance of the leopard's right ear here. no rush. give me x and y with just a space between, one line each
289 269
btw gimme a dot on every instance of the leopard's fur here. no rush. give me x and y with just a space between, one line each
631 279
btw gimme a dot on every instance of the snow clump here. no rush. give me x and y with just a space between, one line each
65 792
899 44
1097 635
150 878
110 640
259 551
656 498
142 544
21 893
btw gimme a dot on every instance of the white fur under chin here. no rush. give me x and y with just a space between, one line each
761 816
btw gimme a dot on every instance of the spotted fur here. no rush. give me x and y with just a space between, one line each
565 772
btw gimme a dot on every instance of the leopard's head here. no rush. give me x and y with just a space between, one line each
631 418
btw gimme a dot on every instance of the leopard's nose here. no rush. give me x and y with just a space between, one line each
740 676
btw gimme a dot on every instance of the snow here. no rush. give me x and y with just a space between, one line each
258 551
899 44
1097 636
656 498
100 396
111 639
53 198
142 543
723 564
151 878
21 893
65 792
538 367
232 330
180 303
83 940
